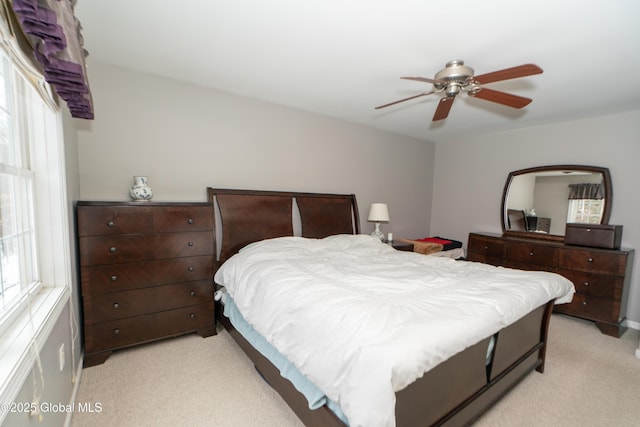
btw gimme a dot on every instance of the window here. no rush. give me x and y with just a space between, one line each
20 113
586 202
587 211
35 249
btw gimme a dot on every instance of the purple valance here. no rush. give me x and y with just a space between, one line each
54 32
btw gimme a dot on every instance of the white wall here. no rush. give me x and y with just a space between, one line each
470 175
521 192
185 138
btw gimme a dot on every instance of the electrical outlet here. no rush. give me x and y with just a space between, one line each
61 356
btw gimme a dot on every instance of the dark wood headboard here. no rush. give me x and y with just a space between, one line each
247 216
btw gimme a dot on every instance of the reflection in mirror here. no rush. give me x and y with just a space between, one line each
542 200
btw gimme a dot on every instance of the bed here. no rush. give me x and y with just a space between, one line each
452 386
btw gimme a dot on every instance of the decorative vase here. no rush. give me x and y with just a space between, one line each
140 191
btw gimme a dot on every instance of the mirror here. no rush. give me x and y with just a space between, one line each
538 202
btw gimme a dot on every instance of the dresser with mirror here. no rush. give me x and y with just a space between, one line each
537 205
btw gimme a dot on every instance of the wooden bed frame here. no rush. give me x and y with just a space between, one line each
456 392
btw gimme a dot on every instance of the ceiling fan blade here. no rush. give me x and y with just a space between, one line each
420 79
509 73
402 100
503 98
443 108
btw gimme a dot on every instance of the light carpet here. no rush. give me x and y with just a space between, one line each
590 379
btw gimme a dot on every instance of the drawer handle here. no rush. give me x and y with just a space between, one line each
584 303
192 293
116 331
190 221
190 243
586 283
116 305
192 315
530 253
114 278
110 224
113 249
486 248
190 269
590 259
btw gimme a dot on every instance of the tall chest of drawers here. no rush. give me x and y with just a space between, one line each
146 273
601 276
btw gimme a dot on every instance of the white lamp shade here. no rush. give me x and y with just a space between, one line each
378 212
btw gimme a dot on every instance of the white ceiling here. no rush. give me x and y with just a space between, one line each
341 58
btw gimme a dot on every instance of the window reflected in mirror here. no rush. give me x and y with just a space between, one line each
586 203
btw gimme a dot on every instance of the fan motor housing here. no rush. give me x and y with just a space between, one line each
454 72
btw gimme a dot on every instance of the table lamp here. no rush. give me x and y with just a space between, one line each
378 213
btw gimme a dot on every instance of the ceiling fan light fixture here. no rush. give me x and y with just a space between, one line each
453 89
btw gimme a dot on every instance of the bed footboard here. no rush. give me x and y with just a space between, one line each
527 334
454 393
440 391
460 389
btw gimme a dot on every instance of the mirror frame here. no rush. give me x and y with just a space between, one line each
608 203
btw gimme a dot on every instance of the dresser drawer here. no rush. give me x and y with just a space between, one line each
485 249
530 253
120 305
594 261
97 250
592 308
183 218
117 277
521 265
108 220
597 285
134 330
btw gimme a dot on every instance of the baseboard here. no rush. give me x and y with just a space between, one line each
74 393
632 324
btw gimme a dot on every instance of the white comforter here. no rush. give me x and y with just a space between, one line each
362 320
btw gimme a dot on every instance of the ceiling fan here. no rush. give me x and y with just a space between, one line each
457 77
